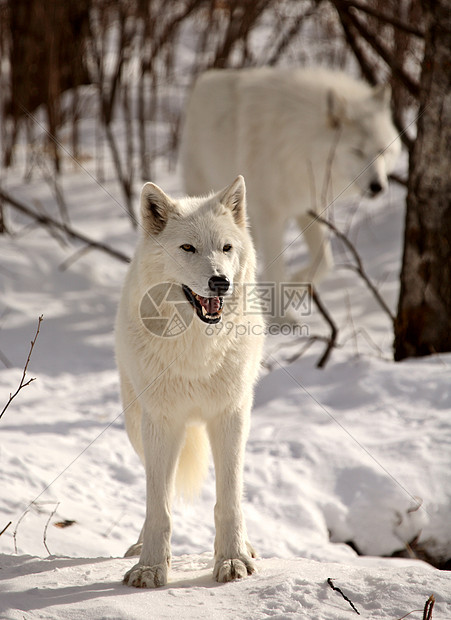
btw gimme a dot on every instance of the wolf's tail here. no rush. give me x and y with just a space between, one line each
192 465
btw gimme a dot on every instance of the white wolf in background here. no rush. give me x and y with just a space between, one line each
301 137
194 260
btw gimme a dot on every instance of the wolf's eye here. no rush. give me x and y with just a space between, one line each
188 248
227 247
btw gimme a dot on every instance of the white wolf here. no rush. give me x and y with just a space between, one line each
301 137
184 374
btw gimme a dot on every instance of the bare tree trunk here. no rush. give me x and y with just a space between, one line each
423 323
3 228
47 57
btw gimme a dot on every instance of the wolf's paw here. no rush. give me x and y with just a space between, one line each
236 568
134 550
141 576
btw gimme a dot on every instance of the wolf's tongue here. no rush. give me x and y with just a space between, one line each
211 304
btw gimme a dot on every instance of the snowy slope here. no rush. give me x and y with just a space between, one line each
358 451
70 588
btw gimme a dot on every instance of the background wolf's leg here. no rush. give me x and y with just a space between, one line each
321 259
271 260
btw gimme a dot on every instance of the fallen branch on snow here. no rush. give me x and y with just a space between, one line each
429 606
427 611
335 589
5 528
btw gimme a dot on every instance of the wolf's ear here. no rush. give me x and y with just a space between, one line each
234 198
156 208
336 109
382 94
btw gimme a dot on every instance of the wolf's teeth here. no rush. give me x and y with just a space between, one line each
204 312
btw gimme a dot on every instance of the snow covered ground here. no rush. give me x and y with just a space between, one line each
358 452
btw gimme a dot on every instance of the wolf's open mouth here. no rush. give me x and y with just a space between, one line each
208 309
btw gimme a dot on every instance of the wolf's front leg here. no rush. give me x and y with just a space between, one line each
233 554
321 262
162 443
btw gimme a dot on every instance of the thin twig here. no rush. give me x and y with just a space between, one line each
47 221
24 383
306 347
397 179
427 611
289 35
384 17
34 505
367 66
358 267
380 48
333 328
68 262
47 525
5 528
335 589
410 612
17 526
429 606
307 343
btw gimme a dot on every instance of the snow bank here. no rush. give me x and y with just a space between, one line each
69 588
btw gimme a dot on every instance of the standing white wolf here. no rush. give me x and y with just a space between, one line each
184 374
301 137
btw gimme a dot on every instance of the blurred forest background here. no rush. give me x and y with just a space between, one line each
134 61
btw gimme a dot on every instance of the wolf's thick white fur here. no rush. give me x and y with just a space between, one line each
301 137
177 391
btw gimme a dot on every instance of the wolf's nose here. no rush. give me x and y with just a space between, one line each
219 284
375 187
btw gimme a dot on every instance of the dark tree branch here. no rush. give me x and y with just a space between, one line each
168 32
379 48
5 528
387 19
397 179
367 67
335 589
290 34
49 222
429 606
331 341
358 267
